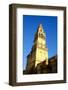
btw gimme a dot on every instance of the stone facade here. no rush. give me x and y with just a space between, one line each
37 59
39 51
43 68
50 68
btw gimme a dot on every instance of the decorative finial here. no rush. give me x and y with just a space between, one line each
40 25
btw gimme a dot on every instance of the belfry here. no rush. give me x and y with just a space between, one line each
39 50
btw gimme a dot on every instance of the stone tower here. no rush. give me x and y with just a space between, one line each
39 51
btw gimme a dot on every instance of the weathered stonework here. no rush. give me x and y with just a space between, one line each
37 60
39 51
42 68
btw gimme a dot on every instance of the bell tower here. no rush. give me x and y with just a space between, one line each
39 51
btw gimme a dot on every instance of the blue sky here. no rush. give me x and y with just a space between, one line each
30 26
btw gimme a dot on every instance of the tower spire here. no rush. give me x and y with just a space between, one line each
40 25
40 28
